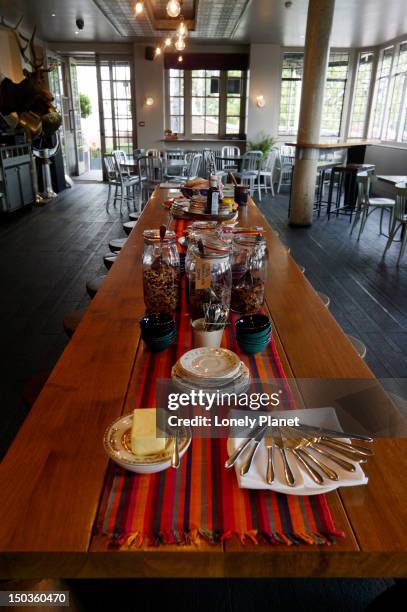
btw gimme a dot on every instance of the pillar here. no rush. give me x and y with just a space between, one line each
319 25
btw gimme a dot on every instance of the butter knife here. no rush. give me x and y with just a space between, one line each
236 454
322 431
248 463
268 443
289 476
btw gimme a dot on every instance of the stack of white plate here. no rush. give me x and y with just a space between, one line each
214 368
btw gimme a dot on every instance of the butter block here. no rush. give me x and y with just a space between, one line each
143 433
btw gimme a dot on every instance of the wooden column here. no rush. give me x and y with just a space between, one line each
319 25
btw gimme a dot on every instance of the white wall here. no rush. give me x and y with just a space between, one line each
265 67
10 58
149 82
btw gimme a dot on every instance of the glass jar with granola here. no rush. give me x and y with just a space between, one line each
249 272
161 272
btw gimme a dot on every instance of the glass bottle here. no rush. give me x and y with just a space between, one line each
249 273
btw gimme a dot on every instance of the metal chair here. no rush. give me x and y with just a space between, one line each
399 220
365 205
150 172
112 179
284 165
267 172
193 169
128 183
153 153
251 166
230 151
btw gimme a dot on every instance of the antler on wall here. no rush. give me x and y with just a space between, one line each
25 44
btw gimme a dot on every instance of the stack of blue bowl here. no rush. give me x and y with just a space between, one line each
158 330
253 333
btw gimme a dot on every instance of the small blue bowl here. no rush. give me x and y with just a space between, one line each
253 324
254 337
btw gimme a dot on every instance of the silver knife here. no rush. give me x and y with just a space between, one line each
289 476
236 454
256 441
268 443
322 431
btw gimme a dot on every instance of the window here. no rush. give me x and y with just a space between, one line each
334 94
397 97
115 84
361 96
291 84
206 102
291 81
389 108
381 90
176 85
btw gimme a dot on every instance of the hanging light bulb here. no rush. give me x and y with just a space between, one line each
173 8
138 9
168 42
182 29
180 44
180 59
158 50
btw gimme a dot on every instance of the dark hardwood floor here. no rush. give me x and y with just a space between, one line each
48 253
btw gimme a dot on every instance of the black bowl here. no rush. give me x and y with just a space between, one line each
251 324
157 324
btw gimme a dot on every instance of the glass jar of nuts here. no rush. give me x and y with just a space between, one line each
161 272
249 272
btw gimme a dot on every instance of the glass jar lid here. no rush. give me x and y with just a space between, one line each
152 236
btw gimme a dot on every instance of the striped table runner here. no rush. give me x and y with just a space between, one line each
202 498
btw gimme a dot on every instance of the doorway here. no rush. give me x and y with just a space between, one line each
102 100
90 147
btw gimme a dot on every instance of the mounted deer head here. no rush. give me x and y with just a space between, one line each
32 93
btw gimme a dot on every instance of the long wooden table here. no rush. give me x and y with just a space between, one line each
52 478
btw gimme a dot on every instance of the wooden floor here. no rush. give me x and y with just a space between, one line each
48 253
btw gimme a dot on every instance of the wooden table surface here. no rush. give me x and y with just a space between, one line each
393 179
52 478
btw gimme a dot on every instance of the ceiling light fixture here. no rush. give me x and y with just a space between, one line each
139 8
180 44
182 29
173 8
158 50
180 58
168 42
53 15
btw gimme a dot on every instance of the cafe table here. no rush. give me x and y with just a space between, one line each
392 179
53 477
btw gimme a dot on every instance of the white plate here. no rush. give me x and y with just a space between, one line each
236 384
255 479
210 363
117 444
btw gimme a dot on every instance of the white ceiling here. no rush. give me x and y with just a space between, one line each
357 23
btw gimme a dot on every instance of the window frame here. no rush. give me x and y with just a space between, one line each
221 134
343 127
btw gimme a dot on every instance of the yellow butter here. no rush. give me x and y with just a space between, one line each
143 433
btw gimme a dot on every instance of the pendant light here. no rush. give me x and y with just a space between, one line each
173 8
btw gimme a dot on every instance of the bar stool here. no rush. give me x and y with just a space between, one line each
93 285
109 259
325 299
72 320
346 176
129 226
358 345
399 220
117 244
134 216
